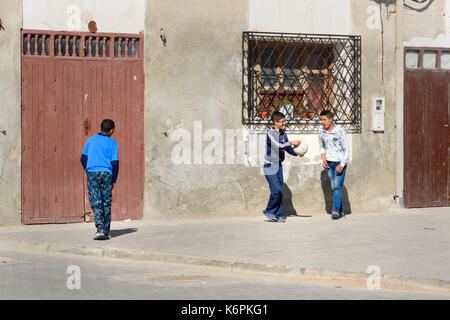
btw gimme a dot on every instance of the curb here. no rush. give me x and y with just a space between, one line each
120 253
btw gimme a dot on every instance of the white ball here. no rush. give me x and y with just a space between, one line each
301 149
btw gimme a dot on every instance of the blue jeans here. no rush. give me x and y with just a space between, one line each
337 181
274 175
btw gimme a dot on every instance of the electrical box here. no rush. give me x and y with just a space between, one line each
378 110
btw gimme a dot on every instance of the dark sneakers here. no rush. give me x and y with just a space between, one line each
268 216
101 236
335 215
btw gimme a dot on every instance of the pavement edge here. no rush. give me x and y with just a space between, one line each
142 255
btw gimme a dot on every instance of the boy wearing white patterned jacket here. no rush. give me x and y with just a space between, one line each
333 147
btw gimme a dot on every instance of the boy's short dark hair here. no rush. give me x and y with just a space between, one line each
107 125
277 116
327 113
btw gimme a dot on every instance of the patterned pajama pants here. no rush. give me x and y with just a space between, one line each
99 185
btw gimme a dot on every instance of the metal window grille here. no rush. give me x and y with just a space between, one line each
80 45
301 75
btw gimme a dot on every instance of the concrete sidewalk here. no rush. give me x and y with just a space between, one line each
407 245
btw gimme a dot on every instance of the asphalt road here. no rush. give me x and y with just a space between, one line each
71 277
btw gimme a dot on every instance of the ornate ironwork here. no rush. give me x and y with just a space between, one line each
301 75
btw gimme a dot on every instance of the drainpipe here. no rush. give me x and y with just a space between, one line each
399 71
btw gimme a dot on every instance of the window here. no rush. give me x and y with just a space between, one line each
445 60
301 75
429 59
412 59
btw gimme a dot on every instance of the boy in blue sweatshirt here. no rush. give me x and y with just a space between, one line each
100 159
276 144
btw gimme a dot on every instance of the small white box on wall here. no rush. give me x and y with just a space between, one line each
378 110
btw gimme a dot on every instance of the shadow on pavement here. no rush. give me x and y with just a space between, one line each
288 207
118 233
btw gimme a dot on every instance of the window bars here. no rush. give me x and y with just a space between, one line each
301 75
80 45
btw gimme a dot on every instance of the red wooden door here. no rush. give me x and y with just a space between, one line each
70 83
426 136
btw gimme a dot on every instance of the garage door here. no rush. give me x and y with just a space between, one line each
70 82
426 127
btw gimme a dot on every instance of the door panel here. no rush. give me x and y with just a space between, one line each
416 158
128 107
68 184
37 112
437 139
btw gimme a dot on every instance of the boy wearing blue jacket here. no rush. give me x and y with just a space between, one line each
100 159
276 144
